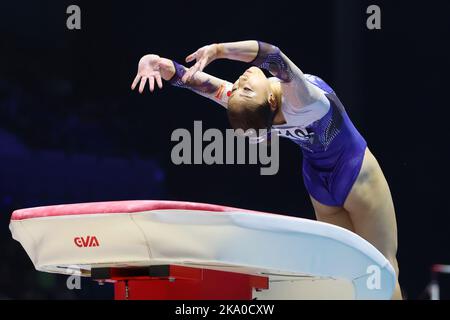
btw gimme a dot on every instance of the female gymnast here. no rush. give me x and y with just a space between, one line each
344 180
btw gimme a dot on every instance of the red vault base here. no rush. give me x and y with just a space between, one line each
169 282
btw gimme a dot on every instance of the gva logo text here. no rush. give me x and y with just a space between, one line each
89 241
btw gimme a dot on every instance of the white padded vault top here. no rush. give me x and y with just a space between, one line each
142 233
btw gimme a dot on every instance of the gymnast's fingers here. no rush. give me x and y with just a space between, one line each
202 64
135 81
187 74
191 57
159 81
190 73
142 85
151 83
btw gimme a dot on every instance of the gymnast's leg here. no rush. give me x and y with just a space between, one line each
334 215
368 211
371 211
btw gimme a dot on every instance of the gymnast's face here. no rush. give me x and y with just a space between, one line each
252 87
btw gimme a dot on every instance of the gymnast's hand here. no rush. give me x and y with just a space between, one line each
203 56
149 67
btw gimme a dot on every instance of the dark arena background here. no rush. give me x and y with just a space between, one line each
71 130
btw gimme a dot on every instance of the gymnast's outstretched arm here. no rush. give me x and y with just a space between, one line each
154 68
297 88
